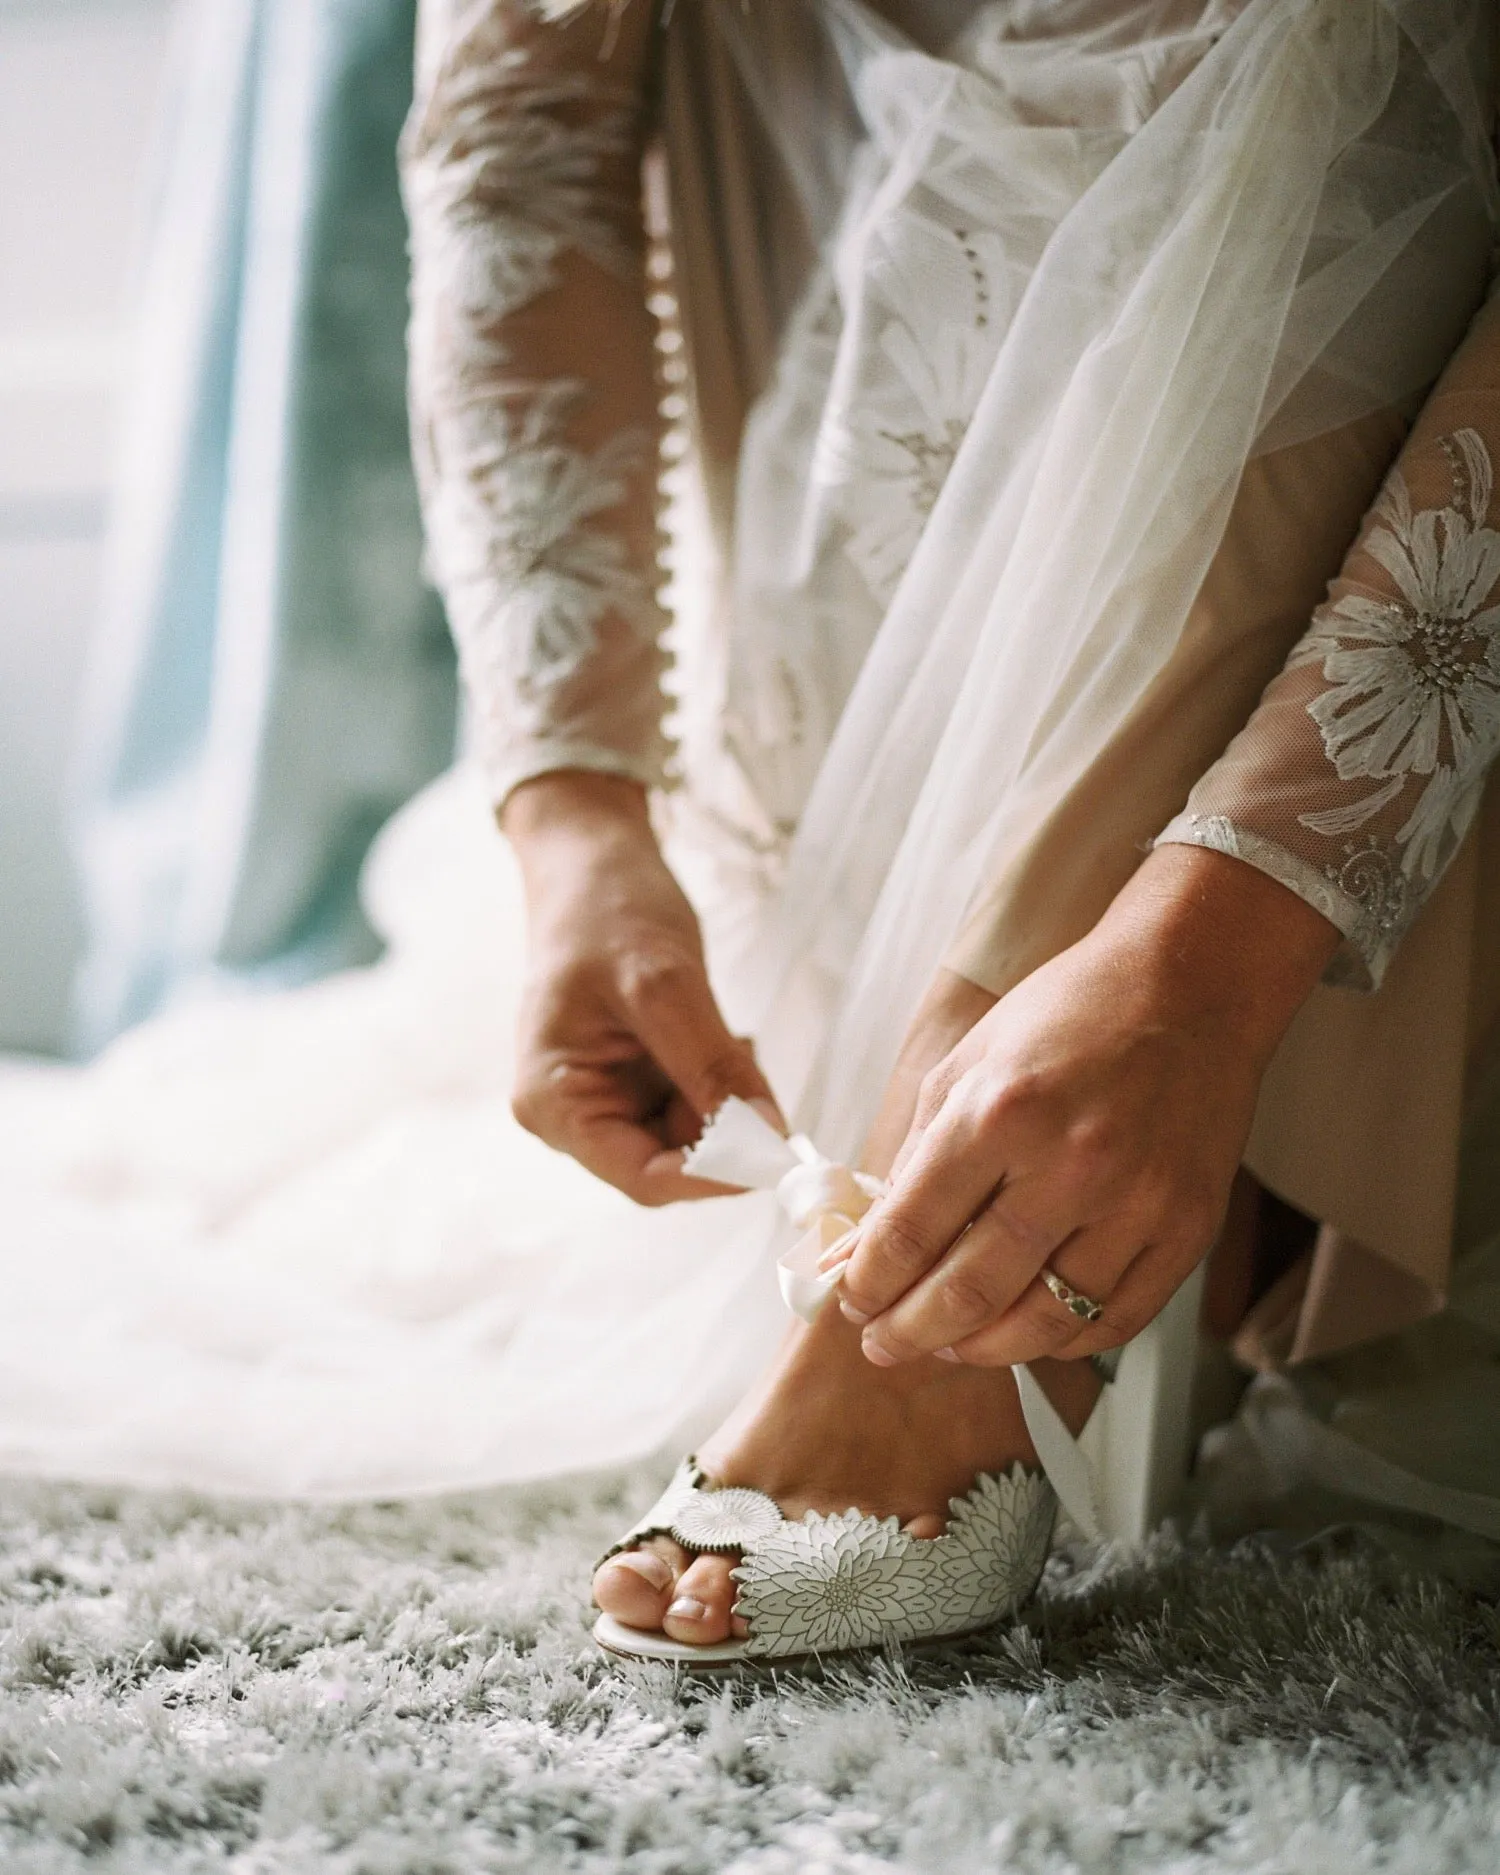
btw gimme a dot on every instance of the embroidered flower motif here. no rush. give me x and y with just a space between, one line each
992 1554
732 1518
887 444
515 538
507 164
828 1583
1414 679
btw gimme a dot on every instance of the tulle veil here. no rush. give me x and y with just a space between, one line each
1270 254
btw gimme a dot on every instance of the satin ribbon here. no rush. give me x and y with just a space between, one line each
825 1201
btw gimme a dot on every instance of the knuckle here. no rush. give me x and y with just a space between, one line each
898 1344
894 1242
1045 1318
932 1092
1094 1143
1018 1094
1030 1238
654 976
964 1296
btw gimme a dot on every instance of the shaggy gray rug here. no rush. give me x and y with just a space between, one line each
409 1690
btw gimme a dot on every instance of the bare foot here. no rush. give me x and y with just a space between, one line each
825 1430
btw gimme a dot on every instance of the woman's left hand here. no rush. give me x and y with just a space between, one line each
1090 1123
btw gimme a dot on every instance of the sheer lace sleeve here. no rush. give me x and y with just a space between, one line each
1362 767
533 383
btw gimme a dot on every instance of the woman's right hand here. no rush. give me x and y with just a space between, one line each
622 1050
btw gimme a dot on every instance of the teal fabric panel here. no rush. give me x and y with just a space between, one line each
273 677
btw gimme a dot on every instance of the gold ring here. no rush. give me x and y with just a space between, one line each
1074 1300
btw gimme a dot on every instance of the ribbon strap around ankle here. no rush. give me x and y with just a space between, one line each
825 1201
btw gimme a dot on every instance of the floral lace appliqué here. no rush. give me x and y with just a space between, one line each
1414 676
503 164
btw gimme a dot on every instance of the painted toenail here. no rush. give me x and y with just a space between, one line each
852 1314
947 1354
652 1569
688 1608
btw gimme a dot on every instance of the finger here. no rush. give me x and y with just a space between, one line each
975 1284
1144 1287
1138 1298
926 1066
950 1177
938 1085
677 1124
630 1157
1038 1326
624 1125
675 1017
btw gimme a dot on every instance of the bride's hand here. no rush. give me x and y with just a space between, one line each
622 1050
1092 1122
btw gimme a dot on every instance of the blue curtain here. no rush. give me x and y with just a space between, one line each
272 678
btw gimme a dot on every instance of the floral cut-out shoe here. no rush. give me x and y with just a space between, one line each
835 1584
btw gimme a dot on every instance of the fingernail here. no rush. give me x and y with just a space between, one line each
834 1257
852 1314
876 1355
649 1568
688 1608
947 1354
768 1111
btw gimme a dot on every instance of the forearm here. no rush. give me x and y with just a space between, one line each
1357 776
534 396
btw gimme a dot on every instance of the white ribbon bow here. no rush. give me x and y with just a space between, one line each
825 1202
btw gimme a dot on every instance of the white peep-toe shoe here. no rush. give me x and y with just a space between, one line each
833 1584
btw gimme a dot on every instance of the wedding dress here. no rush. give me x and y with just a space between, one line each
972 317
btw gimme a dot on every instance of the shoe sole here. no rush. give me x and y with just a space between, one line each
713 1658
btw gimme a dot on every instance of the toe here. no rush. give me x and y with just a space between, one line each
636 1586
926 1526
699 1610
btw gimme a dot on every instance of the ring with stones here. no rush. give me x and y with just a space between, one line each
1074 1300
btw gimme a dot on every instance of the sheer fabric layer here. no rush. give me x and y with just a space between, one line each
1361 771
1070 247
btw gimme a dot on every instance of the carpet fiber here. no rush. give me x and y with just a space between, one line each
409 1690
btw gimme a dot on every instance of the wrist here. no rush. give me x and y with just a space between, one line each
584 843
1221 944
566 803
